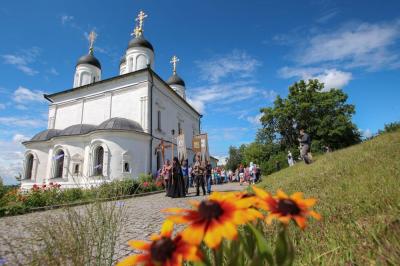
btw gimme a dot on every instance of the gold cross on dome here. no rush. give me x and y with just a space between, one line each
137 32
92 38
140 18
173 61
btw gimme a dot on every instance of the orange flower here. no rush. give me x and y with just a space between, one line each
214 218
286 208
163 250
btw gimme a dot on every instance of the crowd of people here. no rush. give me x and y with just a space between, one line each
178 176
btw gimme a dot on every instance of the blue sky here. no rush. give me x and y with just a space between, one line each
236 56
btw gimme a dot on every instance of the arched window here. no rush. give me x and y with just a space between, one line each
76 169
85 78
98 161
29 166
159 120
130 65
59 164
141 62
127 169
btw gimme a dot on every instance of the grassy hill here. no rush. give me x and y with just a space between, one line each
358 189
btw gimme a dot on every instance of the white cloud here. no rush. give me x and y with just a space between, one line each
21 107
22 95
221 159
23 59
53 71
18 138
237 64
255 120
2 106
21 122
11 158
226 94
332 78
355 45
367 133
66 19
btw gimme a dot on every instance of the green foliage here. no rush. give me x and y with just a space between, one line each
14 202
391 127
325 115
235 157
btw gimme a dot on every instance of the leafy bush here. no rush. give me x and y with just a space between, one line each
15 202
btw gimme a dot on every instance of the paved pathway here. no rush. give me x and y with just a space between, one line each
144 218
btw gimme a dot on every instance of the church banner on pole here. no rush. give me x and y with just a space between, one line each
200 146
181 146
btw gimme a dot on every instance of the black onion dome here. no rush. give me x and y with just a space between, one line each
78 129
90 60
175 80
118 123
140 42
46 135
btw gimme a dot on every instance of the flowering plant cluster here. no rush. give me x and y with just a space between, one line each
226 229
50 186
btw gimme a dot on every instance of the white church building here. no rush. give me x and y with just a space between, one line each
108 129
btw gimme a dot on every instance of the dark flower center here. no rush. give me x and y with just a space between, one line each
162 250
209 210
288 206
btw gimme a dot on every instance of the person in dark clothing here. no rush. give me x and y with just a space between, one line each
185 172
305 144
209 176
198 173
177 185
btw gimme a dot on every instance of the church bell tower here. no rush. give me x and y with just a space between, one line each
140 52
88 67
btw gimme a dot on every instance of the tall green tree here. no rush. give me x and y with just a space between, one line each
325 115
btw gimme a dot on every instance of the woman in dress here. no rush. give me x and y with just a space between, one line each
177 185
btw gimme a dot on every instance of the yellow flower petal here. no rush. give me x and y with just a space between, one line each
167 228
297 196
194 233
213 236
261 192
132 260
139 244
281 195
315 215
309 202
301 221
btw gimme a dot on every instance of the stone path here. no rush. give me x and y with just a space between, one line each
144 218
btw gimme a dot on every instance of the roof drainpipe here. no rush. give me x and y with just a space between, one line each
150 78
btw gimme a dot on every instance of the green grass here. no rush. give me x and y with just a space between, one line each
358 192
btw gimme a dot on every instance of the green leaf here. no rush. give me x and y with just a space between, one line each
262 245
284 251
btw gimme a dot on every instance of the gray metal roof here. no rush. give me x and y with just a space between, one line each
46 135
89 59
118 123
140 42
79 129
115 123
175 80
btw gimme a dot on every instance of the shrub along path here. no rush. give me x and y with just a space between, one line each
144 218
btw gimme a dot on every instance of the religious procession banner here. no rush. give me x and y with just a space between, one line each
181 146
200 145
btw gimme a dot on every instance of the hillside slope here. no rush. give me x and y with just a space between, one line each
358 189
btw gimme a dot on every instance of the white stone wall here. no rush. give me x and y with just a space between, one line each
126 98
173 111
119 147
